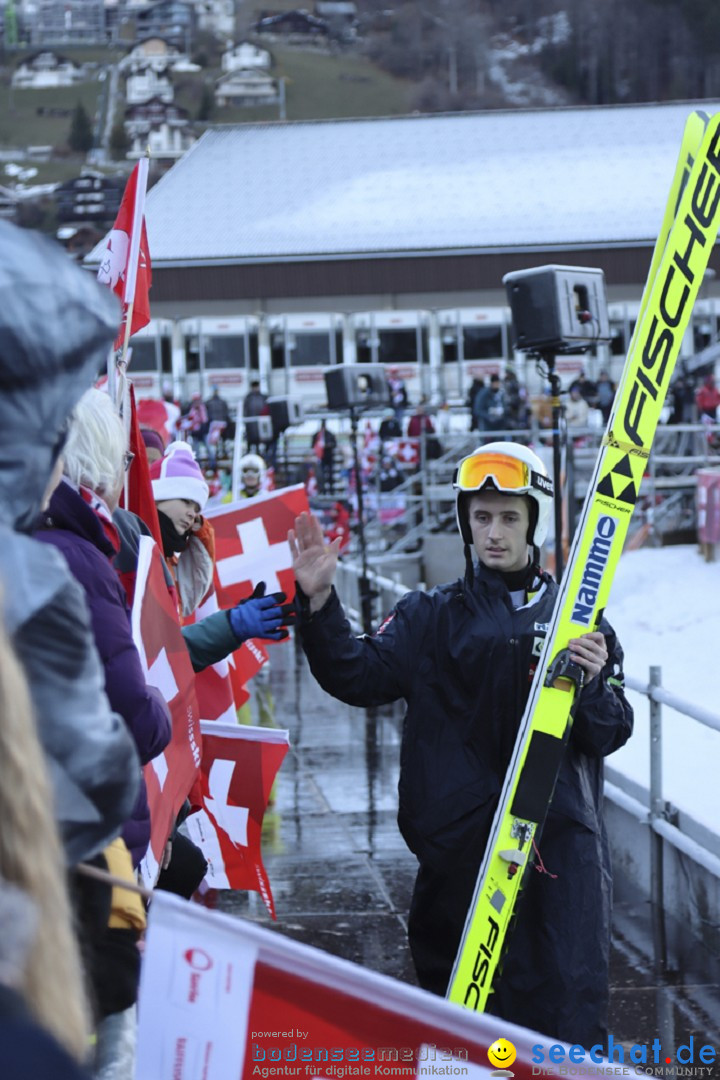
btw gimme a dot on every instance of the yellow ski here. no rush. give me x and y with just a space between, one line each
681 254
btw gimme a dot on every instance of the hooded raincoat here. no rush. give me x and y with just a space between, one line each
56 325
463 657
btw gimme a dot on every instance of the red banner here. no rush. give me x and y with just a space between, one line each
221 997
239 765
166 662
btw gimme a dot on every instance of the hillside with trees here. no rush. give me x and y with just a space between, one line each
470 54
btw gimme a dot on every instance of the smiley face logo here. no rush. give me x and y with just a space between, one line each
501 1054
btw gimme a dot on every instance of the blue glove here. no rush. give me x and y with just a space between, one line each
261 616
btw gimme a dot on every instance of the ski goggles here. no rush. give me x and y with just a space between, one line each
505 473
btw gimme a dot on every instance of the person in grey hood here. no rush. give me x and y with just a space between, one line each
56 326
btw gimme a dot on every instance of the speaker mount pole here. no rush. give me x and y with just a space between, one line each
366 593
559 442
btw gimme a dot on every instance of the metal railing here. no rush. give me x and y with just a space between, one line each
667 493
660 815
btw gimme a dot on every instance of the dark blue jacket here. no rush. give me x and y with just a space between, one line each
73 527
462 658
27 1050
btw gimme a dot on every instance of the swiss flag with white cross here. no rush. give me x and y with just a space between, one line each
166 663
238 769
251 543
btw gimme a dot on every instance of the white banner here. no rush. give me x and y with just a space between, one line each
225 999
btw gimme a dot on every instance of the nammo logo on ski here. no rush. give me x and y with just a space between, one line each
594 569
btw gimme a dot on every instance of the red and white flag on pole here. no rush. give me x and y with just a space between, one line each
239 765
139 486
166 662
405 451
125 266
222 997
251 543
221 687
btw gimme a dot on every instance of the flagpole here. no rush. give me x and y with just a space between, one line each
123 398
134 251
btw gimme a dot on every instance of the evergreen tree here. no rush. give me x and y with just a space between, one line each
81 132
119 140
207 104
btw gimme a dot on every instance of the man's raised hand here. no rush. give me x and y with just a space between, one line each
314 561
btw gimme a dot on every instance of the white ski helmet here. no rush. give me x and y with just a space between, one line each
510 468
254 463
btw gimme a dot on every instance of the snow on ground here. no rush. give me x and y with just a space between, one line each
665 607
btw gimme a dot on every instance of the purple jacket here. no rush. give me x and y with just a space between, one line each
73 527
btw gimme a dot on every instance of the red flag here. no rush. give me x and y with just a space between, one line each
247 661
405 451
161 416
125 267
140 496
238 769
221 687
166 662
251 543
222 997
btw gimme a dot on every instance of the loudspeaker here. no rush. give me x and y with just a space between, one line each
284 412
258 429
356 386
557 308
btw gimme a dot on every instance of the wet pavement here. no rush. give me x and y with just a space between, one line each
341 875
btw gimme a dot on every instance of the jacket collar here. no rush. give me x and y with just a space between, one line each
70 511
492 583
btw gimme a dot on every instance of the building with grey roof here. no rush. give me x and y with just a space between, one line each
415 211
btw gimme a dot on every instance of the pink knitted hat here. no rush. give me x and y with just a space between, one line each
178 476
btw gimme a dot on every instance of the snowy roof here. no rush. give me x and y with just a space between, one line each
464 182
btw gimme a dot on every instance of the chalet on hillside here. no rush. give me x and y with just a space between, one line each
44 70
295 27
216 17
246 88
156 52
246 57
146 83
173 20
163 127
91 197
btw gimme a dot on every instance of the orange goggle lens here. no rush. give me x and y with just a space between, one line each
507 474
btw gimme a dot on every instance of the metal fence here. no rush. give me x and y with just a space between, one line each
667 501
648 807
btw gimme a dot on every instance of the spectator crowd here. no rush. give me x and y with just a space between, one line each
78 719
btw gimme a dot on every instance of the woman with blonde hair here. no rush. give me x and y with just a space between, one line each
78 522
41 981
